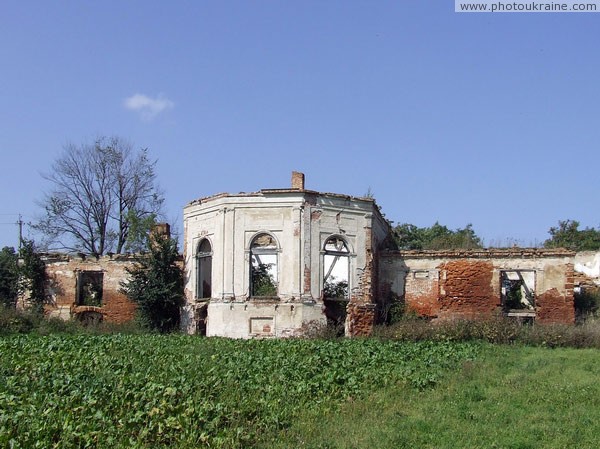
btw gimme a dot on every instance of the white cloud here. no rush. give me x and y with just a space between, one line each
148 107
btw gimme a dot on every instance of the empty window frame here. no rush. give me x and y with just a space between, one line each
263 266
204 270
518 290
336 269
89 288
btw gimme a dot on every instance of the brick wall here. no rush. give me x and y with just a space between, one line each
466 290
423 291
552 306
466 284
62 280
360 311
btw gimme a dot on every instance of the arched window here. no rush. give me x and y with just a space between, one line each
336 269
204 270
263 268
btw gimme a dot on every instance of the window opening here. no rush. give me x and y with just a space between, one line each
518 290
336 292
263 272
336 264
204 270
89 288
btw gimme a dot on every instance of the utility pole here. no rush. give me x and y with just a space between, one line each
20 223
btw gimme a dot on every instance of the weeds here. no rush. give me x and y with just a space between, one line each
498 330
14 321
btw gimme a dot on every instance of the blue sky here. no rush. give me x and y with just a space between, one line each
489 119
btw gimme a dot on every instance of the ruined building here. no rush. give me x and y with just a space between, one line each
267 263
271 263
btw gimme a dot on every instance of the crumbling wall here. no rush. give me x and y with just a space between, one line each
62 285
360 311
467 284
360 319
466 290
423 292
556 303
588 263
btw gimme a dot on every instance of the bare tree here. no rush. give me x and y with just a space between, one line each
102 193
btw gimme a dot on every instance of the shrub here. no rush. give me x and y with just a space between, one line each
320 330
156 286
14 321
587 303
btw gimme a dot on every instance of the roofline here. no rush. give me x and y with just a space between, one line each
264 192
482 253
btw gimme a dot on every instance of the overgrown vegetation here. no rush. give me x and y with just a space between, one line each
179 391
22 273
263 283
155 284
439 237
436 237
335 289
587 303
32 277
568 235
14 321
499 330
9 277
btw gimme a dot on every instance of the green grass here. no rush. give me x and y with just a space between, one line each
511 397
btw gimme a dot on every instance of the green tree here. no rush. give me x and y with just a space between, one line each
568 235
156 285
32 276
9 277
409 236
436 237
139 231
263 283
335 289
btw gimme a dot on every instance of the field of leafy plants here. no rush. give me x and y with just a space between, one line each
79 391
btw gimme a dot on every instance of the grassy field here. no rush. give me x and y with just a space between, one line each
510 397
78 391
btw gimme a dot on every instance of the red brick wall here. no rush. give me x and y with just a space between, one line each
62 275
422 293
359 319
469 287
554 307
466 289
360 311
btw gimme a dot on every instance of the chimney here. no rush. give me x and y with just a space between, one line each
160 231
297 180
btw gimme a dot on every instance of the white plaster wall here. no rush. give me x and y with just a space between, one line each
344 217
231 223
300 228
234 319
588 263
